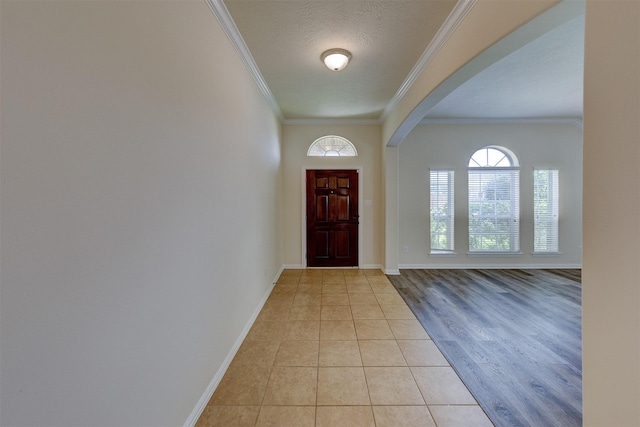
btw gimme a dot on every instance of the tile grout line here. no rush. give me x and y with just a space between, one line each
287 289
315 409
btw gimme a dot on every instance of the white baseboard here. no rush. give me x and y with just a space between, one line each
215 381
396 271
364 266
486 266
292 267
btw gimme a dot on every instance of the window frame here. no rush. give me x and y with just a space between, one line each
447 218
339 145
504 227
549 232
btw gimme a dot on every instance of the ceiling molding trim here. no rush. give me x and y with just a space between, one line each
221 13
334 122
575 121
460 10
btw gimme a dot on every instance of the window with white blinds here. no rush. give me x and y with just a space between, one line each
494 201
545 210
441 210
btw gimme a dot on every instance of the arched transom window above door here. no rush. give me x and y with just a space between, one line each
332 146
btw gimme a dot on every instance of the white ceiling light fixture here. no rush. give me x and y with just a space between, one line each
336 59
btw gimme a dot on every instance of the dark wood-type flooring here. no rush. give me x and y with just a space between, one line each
513 336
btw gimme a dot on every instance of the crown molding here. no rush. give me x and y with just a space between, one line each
575 121
460 10
331 122
221 13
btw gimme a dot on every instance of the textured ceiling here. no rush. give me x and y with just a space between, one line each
387 39
544 79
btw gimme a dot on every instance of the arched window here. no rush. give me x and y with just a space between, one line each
494 201
332 145
493 157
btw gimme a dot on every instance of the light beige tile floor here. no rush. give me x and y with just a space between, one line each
339 347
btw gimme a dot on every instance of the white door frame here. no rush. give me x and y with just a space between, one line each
303 180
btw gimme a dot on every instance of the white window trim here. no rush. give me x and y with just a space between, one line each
555 208
494 254
319 141
452 214
516 236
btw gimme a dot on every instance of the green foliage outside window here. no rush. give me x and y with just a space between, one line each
439 232
493 216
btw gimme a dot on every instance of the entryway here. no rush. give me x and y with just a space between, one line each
332 218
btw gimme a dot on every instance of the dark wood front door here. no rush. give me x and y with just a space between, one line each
332 218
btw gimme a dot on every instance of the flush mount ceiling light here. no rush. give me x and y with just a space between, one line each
336 59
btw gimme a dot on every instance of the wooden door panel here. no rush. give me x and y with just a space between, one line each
332 218
342 208
322 243
322 208
342 244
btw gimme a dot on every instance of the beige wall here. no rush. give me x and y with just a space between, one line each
611 273
553 146
296 141
140 208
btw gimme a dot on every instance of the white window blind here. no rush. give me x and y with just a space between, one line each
494 209
441 210
545 210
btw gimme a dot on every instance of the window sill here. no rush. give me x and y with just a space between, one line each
544 254
494 254
443 253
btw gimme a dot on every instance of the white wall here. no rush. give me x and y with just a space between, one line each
296 141
140 212
611 273
553 146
